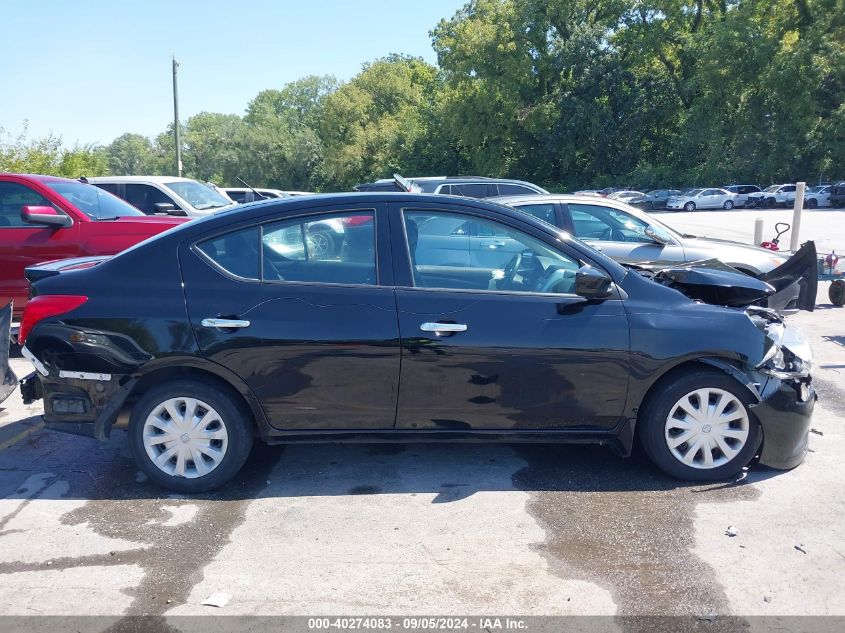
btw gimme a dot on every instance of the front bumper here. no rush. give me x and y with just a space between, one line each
785 412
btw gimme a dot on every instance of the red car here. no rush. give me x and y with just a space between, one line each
44 218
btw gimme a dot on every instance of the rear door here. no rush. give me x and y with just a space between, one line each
316 339
617 234
23 244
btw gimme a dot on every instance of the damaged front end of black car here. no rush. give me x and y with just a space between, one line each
781 378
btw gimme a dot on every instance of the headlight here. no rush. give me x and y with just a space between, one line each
789 355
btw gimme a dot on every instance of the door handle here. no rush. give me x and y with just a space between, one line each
443 328
225 323
493 245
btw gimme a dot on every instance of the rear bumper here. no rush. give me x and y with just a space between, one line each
785 413
85 405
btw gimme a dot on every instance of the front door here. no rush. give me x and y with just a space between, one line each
507 346
619 235
23 244
312 332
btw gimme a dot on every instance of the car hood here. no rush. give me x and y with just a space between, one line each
693 241
790 286
8 380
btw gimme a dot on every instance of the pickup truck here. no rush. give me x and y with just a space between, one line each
771 197
44 218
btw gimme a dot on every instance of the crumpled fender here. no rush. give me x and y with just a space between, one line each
8 380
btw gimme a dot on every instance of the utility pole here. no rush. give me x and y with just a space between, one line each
177 132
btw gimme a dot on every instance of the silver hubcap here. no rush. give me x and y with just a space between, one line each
707 428
185 437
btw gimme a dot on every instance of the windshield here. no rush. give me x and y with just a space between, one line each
773 188
694 192
93 201
198 195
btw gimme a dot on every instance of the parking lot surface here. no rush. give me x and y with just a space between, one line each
431 529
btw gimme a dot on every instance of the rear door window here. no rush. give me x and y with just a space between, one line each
472 190
544 211
510 189
235 252
335 248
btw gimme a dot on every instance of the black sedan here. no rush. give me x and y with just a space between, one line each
238 327
655 199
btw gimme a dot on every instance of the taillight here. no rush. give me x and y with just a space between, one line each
45 306
356 220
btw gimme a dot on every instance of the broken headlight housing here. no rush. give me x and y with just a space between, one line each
788 355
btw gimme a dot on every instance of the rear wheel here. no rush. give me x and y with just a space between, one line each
728 205
322 244
698 426
189 436
689 206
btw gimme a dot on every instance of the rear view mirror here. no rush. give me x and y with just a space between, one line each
45 216
658 235
592 283
167 208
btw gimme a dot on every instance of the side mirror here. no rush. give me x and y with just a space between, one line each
45 216
658 235
167 208
592 283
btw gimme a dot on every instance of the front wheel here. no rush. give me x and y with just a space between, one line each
699 427
689 206
836 292
189 436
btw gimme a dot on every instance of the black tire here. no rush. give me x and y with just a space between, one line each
772 203
728 205
236 421
836 292
654 415
689 206
812 203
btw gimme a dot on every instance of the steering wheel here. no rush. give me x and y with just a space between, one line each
511 270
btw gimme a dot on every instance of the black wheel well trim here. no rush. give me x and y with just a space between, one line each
730 366
204 369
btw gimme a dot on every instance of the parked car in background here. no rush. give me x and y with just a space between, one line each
555 342
587 192
242 195
837 195
167 195
631 236
814 197
43 218
465 186
626 195
772 196
654 199
696 199
742 192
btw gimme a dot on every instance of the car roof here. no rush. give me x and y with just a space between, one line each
38 177
129 179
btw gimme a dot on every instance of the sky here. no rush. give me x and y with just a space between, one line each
90 70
